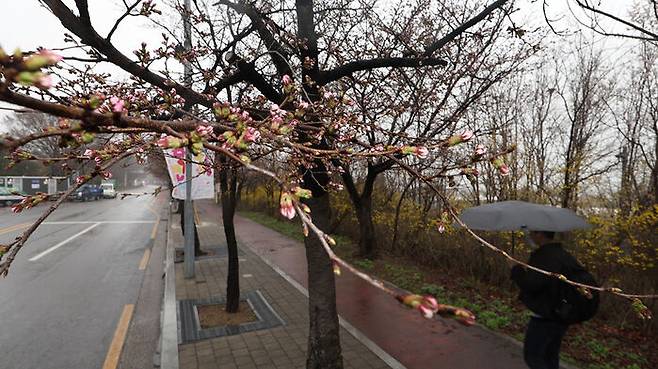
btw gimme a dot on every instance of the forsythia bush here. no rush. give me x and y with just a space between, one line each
627 242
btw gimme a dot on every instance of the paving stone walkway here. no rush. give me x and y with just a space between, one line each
283 347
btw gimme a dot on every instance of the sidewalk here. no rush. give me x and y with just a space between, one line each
413 341
282 347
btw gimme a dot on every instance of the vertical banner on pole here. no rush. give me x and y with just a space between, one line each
203 183
192 178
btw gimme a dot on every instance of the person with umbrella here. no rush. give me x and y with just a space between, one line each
553 310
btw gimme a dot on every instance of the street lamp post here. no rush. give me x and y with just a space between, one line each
188 266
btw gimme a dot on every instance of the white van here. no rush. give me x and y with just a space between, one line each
108 190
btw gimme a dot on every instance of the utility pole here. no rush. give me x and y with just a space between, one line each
188 266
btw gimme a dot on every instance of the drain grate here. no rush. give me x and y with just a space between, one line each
191 329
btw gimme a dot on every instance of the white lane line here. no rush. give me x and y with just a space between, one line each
103 222
48 251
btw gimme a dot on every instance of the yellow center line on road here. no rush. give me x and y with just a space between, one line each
145 259
15 227
155 228
150 207
114 353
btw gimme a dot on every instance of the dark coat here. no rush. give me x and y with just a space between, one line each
539 292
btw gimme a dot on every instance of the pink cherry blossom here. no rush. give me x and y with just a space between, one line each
480 149
421 152
277 120
169 142
245 116
286 205
466 135
52 57
441 227
204 130
431 303
251 134
286 80
164 142
503 169
117 104
88 153
44 82
425 311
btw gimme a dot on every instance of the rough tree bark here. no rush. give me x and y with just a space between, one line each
324 351
228 182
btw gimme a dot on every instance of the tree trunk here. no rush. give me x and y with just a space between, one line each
197 243
362 204
228 182
397 213
654 172
324 351
625 201
569 172
367 240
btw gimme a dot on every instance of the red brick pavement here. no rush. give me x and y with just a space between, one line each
415 342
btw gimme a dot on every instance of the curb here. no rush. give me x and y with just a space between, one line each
169 325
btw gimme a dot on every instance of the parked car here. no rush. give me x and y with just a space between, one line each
86 193
97 191
108 190
8 197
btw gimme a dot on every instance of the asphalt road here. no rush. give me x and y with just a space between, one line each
61 303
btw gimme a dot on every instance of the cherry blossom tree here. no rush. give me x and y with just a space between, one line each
266 77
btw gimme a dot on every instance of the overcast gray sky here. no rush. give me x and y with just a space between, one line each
27 24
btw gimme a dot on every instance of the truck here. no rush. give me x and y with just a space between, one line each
109 189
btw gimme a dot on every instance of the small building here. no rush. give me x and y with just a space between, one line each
33 184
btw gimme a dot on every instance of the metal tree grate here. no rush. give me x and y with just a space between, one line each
191 328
